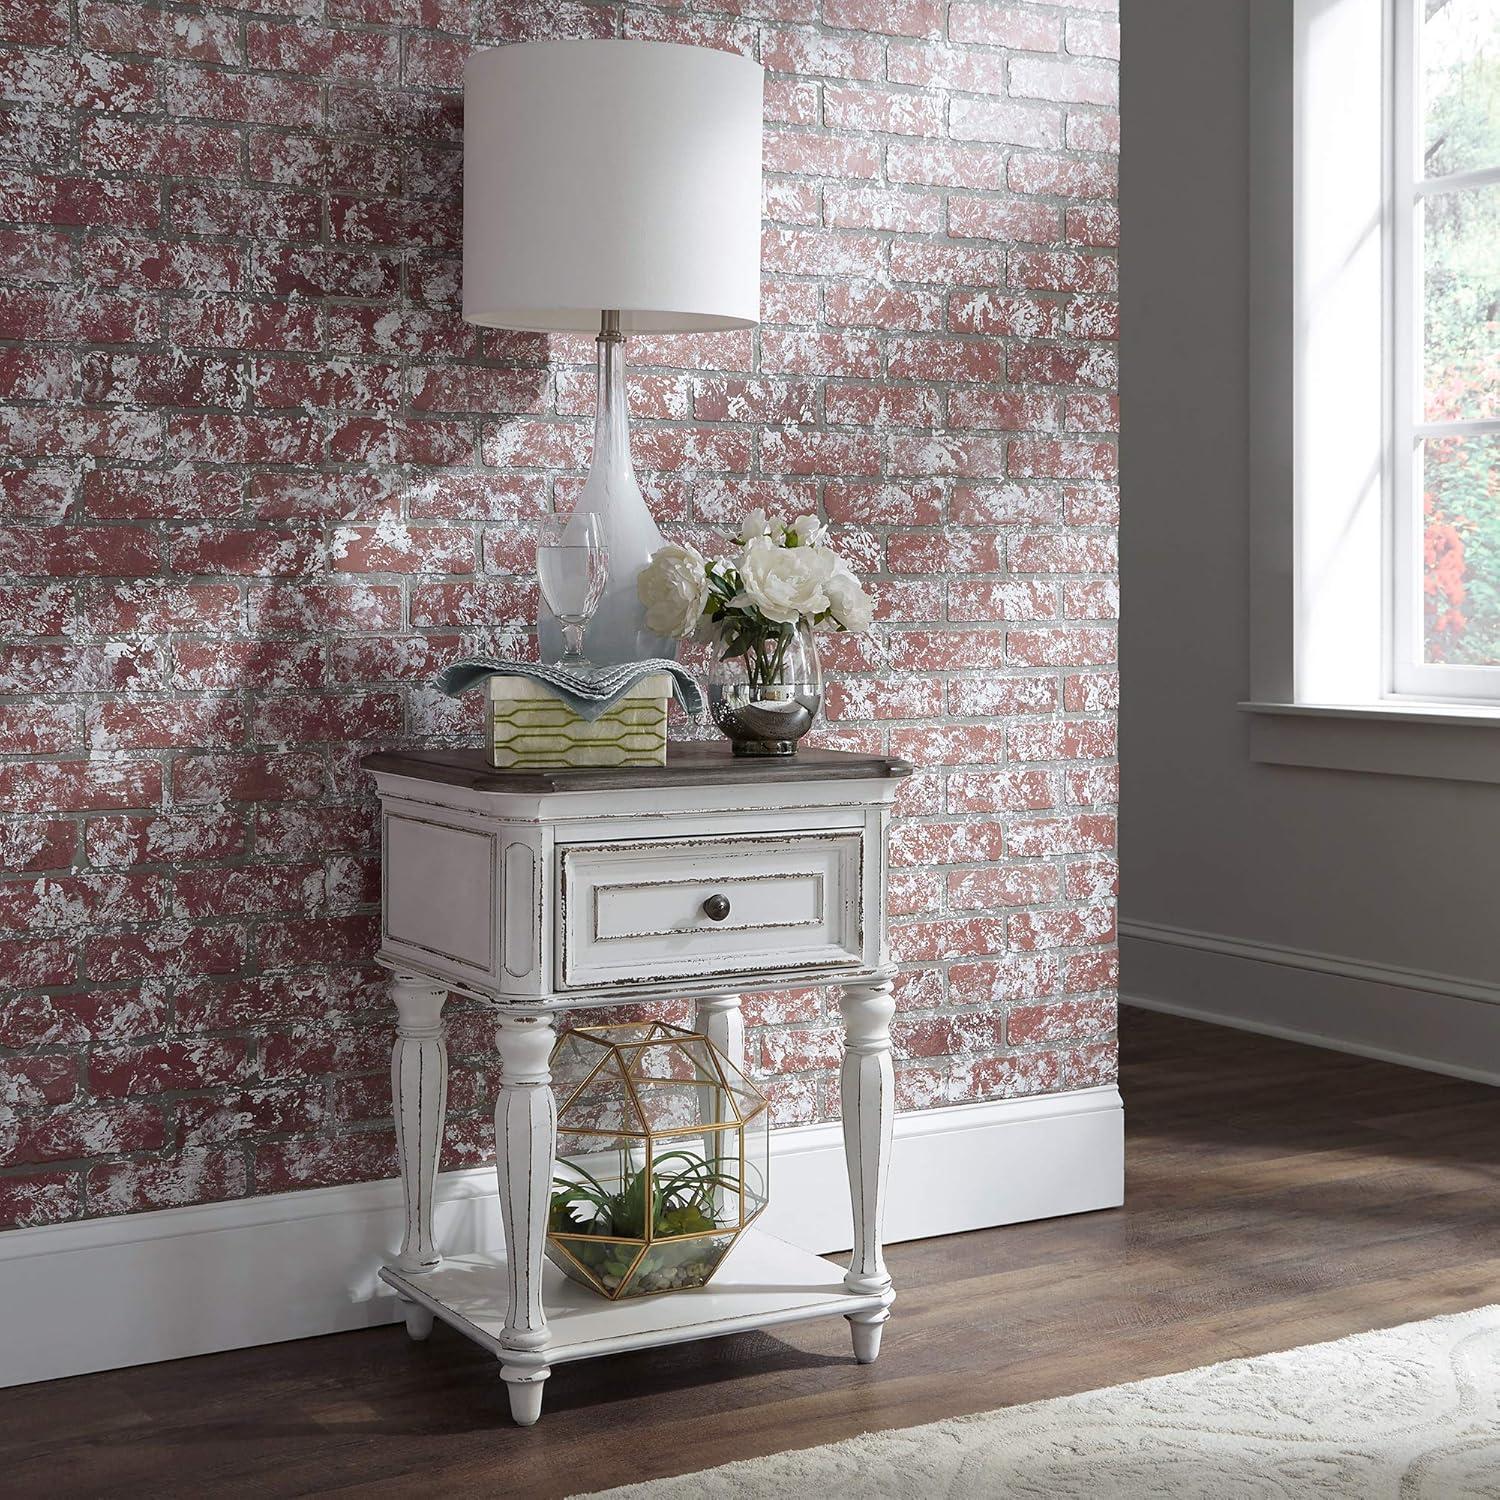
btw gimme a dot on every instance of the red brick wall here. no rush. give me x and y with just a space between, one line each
261 480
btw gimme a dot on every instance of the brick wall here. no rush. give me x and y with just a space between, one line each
260 480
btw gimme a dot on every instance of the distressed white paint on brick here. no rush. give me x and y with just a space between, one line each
270 583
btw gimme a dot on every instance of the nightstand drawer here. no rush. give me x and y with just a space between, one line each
688 908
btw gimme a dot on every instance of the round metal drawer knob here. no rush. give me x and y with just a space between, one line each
716 908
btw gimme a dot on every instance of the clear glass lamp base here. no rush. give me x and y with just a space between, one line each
617 629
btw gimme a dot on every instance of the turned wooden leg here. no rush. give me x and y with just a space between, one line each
867 1092
525 1148
719 1019
419 1096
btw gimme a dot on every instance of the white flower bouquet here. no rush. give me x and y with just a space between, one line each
783 578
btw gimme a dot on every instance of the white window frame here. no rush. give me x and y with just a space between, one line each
1409 676
1320 411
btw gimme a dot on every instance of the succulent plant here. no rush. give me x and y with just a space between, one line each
680 1189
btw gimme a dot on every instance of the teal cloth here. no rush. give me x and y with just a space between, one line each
589 694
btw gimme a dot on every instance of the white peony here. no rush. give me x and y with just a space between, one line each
784 583
758 524
851 606
808 529
674 588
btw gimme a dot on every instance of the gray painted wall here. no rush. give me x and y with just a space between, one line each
1391 871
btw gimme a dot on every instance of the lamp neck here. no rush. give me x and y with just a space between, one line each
611 413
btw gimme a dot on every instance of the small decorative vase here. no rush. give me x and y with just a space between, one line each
766 699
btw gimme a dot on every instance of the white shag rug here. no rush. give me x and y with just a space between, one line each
1409 1413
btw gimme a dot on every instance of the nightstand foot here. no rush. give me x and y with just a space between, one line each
867 1328
418 1320
524 1385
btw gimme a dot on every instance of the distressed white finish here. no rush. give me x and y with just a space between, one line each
640 911
525 1148
424 856
572 899
763 1282
513 944
99 1294
867 1091
866 1328
419 1098
719 1018
418 1319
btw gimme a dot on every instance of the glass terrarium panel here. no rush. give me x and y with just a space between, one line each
578 1204
628 1033
668 1053
689 1060
757 1173
605 1102
600 1263
573 1059
698 1182
602 1160
748 1100
599 1154
673 1265
675 1089
606 1189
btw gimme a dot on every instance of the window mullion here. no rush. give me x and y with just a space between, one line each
1458 182
1404 522
1478 427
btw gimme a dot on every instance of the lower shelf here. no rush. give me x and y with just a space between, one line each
762 1282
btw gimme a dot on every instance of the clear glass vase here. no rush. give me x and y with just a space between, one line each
766 699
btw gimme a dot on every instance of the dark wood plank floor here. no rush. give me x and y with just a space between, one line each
1278 1195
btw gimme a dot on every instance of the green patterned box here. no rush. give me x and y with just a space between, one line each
530 726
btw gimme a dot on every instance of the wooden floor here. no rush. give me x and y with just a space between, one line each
1277 1195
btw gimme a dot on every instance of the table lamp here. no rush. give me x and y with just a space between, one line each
612 186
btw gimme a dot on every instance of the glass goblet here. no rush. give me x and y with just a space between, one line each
572 568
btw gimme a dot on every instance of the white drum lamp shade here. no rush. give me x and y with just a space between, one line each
616 175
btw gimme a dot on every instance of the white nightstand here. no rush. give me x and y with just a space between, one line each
561 890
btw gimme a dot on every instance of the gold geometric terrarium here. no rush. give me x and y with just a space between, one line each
662 1150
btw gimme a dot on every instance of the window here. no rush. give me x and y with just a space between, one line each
1444 350
1373 365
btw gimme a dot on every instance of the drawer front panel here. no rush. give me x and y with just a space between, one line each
632 914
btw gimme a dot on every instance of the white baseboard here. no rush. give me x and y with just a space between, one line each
1414 1017
105 1293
